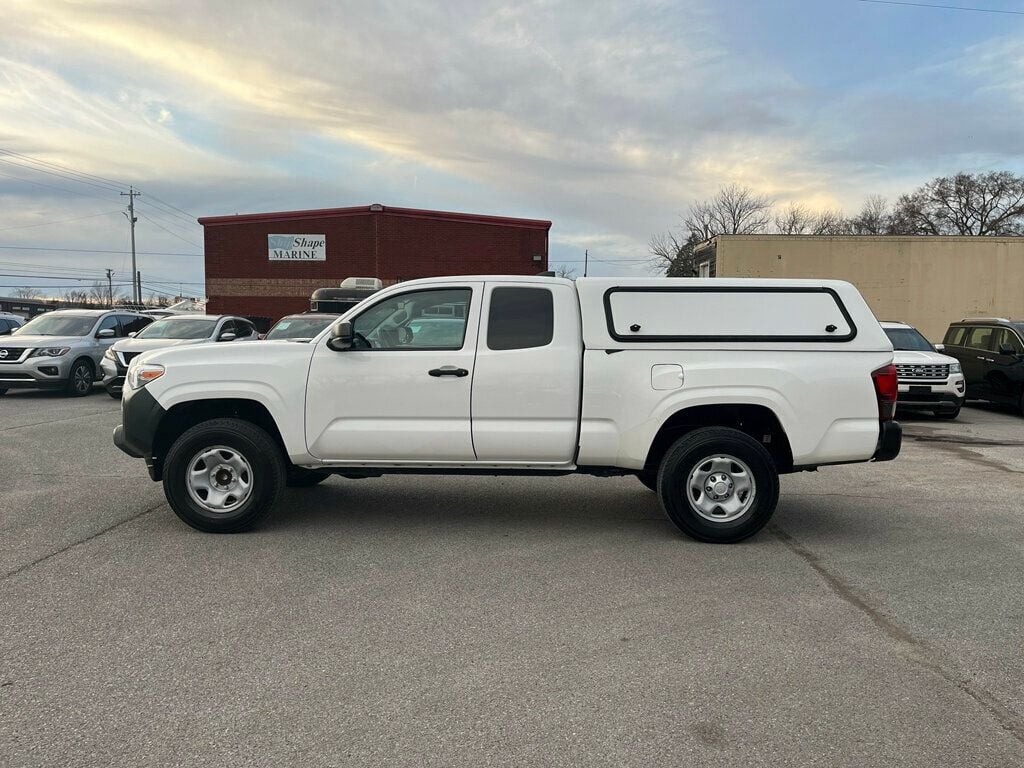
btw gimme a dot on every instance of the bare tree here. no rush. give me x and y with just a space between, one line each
26 292
794 219
734 210
569 273
963 204
874 218
830 222
98 293
76 296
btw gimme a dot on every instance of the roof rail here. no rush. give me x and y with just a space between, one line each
985 320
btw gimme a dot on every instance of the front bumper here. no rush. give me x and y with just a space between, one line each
36 372
945 394
136 434
113 374
890 440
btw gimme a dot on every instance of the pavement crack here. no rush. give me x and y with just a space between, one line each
959 449
81 541
912 648
55 421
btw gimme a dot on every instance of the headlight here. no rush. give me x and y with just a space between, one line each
140 375
109 354
955 368
50 352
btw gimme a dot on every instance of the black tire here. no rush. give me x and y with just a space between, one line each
3 392
80 379
257 449
300 477
649 478
115 393
706 448
947 414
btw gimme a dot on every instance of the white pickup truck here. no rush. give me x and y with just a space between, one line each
706 390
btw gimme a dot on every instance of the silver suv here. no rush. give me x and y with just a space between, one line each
63 349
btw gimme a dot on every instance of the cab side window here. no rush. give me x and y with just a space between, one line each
980 338
420 320
245 329
955 337
111 321
1004 337
134 323
228 327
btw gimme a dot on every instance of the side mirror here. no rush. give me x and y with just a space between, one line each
132 334
939 347
227 336
342 336
1006 349
105 333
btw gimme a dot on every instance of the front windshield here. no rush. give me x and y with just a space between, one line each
908 340
178 328
57 325
299 327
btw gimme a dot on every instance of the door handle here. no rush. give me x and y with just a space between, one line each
448 370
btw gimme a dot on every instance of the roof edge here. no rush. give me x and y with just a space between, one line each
418 213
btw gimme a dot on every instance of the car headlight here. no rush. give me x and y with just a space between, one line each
140 375
50 352
955 368
109 354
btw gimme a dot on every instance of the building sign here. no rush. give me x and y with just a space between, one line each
297 247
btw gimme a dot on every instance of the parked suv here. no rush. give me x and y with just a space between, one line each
63 349
991 351
173 331
928 380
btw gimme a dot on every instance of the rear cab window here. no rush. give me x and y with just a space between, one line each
520 318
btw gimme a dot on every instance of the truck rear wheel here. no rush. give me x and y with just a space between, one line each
718 485
224 476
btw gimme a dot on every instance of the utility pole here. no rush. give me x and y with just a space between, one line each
586 259
110 287
131 194
138 285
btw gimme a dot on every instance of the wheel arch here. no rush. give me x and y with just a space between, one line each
183 416
758 421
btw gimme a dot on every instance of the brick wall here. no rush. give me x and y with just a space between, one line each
393 244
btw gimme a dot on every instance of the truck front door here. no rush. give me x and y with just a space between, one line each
402 393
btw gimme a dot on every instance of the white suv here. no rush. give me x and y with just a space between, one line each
928 380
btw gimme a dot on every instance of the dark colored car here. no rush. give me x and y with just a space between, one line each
991 352
301 327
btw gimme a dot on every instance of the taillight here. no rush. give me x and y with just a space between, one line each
886 389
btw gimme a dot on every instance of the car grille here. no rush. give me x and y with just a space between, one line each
127 357
13 354
908 371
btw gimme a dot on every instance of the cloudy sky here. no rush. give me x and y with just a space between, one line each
608 118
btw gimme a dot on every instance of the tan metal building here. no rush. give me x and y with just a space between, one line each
926 281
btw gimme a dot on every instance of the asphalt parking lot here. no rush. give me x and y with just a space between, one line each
478 621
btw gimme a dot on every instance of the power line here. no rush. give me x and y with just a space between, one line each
58 174
59 221
93 250
944 7
119 184
51 186
151 220
191 217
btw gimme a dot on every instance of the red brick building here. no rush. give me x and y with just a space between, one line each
268 264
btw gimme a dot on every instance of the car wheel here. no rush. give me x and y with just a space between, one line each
300 477
718 485
115 393
951 414
649 477
3 392
224 476
80 381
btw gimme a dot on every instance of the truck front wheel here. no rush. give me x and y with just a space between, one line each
718 485
224 476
